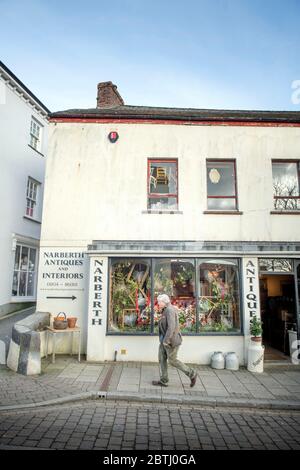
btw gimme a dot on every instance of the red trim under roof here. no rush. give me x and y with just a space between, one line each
174 122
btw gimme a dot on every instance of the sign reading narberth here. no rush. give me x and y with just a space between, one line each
97 310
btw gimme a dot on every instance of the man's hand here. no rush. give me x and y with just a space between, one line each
166 345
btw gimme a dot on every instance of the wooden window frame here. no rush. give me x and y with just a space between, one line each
160 195
235 197
280 161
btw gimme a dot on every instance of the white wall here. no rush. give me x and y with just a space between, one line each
18 161
98 190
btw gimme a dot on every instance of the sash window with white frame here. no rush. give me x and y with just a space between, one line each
32 198
35 134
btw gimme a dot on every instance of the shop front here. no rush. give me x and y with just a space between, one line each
216 295
112 288
279 300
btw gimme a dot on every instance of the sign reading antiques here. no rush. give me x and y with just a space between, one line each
251 287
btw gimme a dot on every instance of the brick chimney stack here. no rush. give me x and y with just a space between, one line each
108 96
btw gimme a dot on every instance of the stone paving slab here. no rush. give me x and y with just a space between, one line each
67 378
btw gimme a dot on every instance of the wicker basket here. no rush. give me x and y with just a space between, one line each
60 322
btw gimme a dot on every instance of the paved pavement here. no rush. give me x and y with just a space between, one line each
68 380
125 426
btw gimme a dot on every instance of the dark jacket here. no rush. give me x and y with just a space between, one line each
169 332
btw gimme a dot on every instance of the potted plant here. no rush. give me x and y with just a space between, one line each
255 329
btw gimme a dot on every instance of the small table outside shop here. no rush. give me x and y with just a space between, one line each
55 332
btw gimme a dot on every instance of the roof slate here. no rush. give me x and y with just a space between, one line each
186 114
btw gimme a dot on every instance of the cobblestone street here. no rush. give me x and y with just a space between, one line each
127 426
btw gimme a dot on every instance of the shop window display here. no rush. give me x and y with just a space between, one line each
133 287
219 296
130 300
176 278
24 275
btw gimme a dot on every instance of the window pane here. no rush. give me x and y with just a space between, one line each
15 283
130 299
221 204
285 179
163 203
276 265
287 204
24 258
163 178
22 283
219 296
32 259
17 257
30 283
176 278
220 179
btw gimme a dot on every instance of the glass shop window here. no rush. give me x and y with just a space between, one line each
286 185
24 275
276 265
130 298
162 184
221 185
219 302
176 278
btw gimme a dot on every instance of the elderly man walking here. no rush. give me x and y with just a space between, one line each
169 342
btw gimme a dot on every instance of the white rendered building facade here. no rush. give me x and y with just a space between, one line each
23 137
200 204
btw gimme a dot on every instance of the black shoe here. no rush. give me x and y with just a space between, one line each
193 380
159 383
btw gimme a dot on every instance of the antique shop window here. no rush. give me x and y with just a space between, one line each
176 277
221 185
35 134
130 299
276 265
219 303
286 188
162 184
24 274
32 198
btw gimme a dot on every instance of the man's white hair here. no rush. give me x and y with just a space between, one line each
164 298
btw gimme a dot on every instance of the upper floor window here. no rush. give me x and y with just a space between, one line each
163 184
221 185
32 198
35 134
286 185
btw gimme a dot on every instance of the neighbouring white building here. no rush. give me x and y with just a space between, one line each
203 205
23 137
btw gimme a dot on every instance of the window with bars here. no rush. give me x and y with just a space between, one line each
32 198
221 185
162 184
286 185
35 134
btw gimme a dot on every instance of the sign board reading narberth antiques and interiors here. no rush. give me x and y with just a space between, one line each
63 281
97 313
